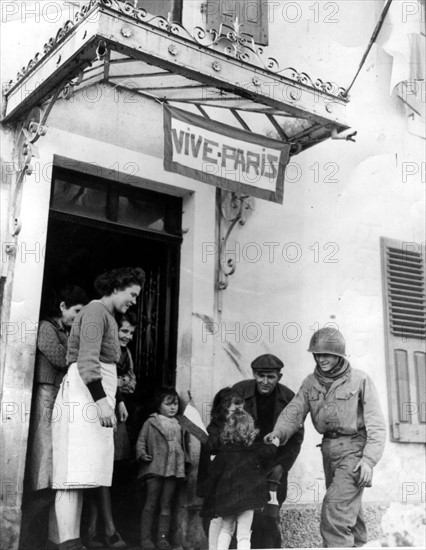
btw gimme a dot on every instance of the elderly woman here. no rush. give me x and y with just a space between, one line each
58 314
83 444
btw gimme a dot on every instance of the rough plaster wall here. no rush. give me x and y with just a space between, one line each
339 199
300 525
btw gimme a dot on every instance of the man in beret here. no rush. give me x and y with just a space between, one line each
265 398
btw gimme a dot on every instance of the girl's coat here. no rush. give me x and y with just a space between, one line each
152 441
207 452
236 481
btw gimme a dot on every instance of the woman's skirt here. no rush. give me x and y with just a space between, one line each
83 450
121 443
39 462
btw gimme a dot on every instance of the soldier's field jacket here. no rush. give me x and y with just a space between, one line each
287 455
350 406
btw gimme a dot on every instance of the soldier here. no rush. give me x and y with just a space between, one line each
265 398
345 409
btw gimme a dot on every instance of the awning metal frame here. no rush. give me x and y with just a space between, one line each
230 64
230 67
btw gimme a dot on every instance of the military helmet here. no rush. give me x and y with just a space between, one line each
328 340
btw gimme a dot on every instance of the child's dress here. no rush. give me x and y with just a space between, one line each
162 438
236 480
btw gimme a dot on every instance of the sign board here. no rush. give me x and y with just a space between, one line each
224 156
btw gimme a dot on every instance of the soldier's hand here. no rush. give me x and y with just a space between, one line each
269 438
365 473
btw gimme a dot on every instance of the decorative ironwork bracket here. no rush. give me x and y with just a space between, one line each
234 209
32 130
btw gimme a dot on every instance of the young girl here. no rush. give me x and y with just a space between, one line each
126 381
237 484
160 449
225 402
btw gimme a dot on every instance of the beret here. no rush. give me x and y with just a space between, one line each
267 362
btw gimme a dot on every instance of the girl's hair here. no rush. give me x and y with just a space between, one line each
129 317
239 428
162 393
222 401
71 295
120 279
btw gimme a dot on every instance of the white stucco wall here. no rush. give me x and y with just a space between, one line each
339 199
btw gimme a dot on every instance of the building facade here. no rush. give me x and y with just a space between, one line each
235 267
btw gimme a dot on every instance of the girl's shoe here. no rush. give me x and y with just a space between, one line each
72 544
163 543
115 541
147 544
95 541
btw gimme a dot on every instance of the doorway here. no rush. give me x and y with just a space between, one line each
96 225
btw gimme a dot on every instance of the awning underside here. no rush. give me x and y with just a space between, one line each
166 86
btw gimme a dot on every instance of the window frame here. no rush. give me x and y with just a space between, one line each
406 418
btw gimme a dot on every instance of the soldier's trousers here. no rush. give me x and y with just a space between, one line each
342 520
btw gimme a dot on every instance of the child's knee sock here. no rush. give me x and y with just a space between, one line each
225 535
224 540
163 532
214 530
243 541
164 524
146 525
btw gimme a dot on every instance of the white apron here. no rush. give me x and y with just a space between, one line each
83 450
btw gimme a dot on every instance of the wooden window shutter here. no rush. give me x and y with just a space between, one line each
404 287
252 16
163 7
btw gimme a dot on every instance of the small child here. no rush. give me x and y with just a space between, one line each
237 483
225 402
126 383
161 450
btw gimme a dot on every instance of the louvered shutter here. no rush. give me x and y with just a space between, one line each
405 319
252 16
163 7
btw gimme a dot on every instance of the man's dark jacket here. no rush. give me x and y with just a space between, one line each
286 455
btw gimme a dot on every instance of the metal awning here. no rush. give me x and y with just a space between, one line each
220 76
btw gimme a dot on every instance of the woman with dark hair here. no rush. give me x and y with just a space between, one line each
60 310
83 444
100 499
